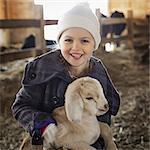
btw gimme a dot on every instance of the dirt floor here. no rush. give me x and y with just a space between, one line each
130 126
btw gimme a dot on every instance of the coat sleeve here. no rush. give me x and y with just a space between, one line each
112 94
27 105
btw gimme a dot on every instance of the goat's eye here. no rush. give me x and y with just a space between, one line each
89 98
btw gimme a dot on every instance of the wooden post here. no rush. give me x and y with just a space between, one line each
98 14
40 41
43 44
130 30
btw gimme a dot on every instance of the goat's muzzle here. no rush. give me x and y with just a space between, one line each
103 110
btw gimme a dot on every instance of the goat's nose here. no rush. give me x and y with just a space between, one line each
106 106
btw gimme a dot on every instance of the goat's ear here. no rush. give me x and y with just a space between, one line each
74 107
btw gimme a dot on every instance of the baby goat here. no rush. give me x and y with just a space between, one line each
77 124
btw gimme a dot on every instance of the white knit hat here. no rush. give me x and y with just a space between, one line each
80 16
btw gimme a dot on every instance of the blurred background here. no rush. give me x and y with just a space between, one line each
28 29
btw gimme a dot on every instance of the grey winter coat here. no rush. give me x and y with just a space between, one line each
43 86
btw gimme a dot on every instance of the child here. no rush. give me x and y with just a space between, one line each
47 77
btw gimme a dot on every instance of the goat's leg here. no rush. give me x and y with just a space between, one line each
107 136
26 145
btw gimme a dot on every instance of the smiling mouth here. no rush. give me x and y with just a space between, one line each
76 55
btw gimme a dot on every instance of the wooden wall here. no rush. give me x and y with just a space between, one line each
18 9
25 9
2 8
4 34
140 8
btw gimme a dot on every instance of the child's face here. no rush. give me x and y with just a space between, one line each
77 46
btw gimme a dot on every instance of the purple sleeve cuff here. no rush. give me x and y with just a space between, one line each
43 123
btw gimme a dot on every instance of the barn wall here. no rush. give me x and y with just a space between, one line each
20 9
140 8
2 8
4 34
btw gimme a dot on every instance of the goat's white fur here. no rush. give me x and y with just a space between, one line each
77 124
76 102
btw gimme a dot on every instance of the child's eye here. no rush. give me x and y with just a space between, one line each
85 41
68 40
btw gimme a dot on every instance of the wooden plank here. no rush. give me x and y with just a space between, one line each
110 21
50 22
141 22
130 29
19 23
105 21
10 56
40 41
142 34
16 23
141 39
106 40
25 23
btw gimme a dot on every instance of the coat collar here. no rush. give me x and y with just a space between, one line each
52 65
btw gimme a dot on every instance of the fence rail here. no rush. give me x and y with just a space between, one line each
110 21
20 23
27 23
15 55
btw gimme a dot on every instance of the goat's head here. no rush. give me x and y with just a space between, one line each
85 94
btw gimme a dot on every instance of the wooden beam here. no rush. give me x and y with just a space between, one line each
51 22
142 22
130 27
19 23
11 56
25 23
141 39
106 40
110 21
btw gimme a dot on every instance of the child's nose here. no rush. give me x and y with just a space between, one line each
76 45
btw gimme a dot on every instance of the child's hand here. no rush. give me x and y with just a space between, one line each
49 135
